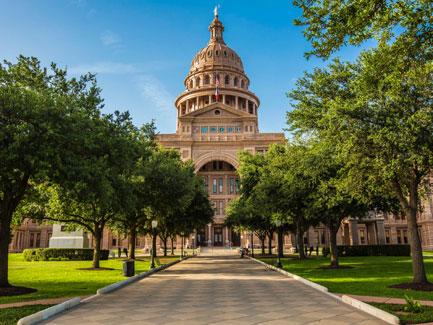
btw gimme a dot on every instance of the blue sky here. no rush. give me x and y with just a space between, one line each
141 50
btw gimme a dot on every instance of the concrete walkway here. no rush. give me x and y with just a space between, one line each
215 290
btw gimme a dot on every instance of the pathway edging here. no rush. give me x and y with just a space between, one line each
369 309
60 308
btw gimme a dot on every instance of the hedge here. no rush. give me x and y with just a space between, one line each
47 254
371 250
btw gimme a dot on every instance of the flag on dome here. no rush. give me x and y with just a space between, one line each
217 84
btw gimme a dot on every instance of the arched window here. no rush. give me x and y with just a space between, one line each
242 83
191 85
197 82
227 80
236 82
207 80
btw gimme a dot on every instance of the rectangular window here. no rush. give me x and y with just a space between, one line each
221 207
232 185
214 186
32 239
237 186
387 236
114 242
220 185
206 183
230 129
362 236
213 129
399 236
238 129
222 129
194 129
204 129
38 240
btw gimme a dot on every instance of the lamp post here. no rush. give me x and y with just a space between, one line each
154 225
279 248
193 244
181 249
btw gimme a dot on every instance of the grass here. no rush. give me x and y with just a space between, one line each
56 279
407 318
370 276
10 316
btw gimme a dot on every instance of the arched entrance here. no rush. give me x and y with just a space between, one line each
222 184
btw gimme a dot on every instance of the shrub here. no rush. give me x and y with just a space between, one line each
374 250
412 305
52 254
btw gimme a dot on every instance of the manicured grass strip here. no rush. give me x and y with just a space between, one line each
10 316
407 318
369 276
55 279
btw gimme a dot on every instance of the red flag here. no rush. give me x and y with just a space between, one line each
217 83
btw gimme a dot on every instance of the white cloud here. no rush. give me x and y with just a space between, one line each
111 39
104 68
155 92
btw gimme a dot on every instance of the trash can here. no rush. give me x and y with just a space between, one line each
128 268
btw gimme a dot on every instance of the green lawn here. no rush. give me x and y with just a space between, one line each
10 316
407 318
369 276
62 279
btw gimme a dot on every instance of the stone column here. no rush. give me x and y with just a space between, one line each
210 99
346 234
353 231
380 228
236 102
226 236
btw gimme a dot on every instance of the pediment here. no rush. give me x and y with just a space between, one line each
217 110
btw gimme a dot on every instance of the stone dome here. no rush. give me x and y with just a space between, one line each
216 54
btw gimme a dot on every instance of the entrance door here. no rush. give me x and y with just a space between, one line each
201 238
236 239
218 236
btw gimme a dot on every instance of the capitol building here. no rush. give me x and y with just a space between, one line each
217 118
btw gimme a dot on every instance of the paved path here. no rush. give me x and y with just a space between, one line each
215 290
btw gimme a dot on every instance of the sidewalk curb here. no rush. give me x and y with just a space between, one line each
366 308
49 312
57 309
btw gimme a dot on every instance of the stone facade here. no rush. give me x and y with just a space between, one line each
217 117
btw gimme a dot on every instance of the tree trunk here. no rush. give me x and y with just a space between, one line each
411 210
270 235
333 245
418 269
300 235
5 235
164 240
262 243
132 241
172 245
280 251
97 248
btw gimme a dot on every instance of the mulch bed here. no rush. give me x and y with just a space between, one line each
15 291
414 286
95 269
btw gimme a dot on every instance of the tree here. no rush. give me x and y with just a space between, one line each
168 186
92 198
333 24
41 114
131 219
377 112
